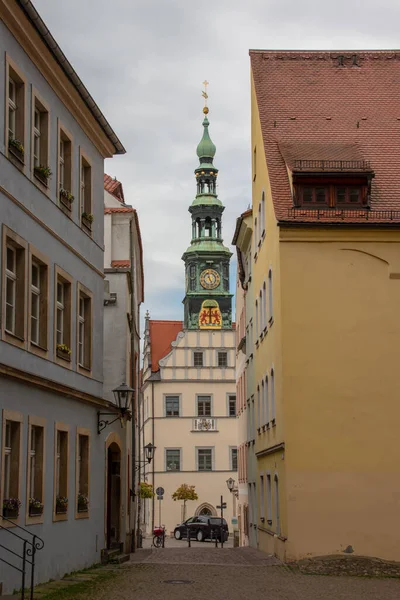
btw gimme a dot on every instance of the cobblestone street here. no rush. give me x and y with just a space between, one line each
205 572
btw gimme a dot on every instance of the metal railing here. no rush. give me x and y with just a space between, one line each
30 546
334 213
339 165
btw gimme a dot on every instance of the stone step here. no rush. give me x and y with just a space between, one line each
120 558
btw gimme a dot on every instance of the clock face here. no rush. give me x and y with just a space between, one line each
209 279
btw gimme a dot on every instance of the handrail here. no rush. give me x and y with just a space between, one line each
30 546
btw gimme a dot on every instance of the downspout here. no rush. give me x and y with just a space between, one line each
152 426
134 385
139 412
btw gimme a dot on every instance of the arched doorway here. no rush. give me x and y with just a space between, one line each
113 487
206 510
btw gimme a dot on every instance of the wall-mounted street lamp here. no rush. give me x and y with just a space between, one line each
149 454
123 395
231 487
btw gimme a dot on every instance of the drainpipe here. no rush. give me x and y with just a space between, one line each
152 427
134 384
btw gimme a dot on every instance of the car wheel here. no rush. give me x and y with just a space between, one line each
200 536
177 534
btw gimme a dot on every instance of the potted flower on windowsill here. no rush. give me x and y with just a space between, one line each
16 148
83 503
35 507
61 505
11 508
43 174
64 352
87 220
66 198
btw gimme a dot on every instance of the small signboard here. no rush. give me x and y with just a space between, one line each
160 497
160 491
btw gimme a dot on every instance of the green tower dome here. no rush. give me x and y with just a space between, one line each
206 148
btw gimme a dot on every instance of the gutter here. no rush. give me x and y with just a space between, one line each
70 72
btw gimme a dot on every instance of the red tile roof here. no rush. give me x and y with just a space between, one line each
114 187
119 209
313 107
162 334
118 264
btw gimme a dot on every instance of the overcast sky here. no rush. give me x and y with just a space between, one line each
144 62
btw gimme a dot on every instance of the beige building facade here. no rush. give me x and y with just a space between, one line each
189 411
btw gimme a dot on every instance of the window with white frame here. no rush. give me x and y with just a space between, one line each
266 401
204 406
264 305
36 463
35 302
198 359
204 459
232 405
262 413
12 108
83 473
36 138
61 471
272 382
65 169
277 507
259 223
61 158
262 499
172 406
85 187
11 456
259 406
222 359
84 331
11 288
257 317
61 288
270 297
261 315
263 212
173 459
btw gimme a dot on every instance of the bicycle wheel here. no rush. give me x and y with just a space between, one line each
157 541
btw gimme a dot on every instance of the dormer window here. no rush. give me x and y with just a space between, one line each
331 190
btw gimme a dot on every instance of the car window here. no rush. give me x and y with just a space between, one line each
189 520
217 521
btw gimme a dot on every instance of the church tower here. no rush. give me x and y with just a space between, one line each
208 302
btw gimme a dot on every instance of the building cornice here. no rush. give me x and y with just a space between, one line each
53 386
271 450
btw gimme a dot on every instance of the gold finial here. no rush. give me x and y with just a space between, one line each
205 96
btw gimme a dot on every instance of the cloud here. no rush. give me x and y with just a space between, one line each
144 62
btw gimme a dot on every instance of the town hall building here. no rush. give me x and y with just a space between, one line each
189 389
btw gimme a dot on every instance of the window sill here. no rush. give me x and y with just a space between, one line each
14 339
63 356
38 350
34 520
259 430
43 181
263 234
271 321
273 423
60 516
204 431
82 514
86 371
19 156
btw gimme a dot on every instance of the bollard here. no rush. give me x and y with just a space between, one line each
188 536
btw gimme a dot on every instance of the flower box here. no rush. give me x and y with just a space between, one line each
82 508
10 513
87 223
64 354
61 510
66 199
35 511
17 152
40 176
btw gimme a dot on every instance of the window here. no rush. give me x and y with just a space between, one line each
257 317
259 224
85 192
266 403
173 459
84 330
269 499
35 467
63 315
255 234
263 212
222 359
262 415
254 163
82 472
262 508
270 297
15 102
203 406
277 507
204 459
40 138
65 161
197 359
234 461
61 471
232 405
331 194
259 406
11 451
15 277
273 395
172 406
38 302
261 315
264 306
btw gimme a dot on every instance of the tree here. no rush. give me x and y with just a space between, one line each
185 492
146 490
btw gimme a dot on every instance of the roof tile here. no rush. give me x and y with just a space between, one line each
162 334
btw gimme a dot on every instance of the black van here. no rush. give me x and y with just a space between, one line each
202 528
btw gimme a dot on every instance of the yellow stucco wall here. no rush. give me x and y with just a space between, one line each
340 306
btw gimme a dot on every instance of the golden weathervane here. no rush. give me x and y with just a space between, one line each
205 96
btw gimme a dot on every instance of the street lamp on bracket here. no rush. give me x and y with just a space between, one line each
231 487
123 395
149 454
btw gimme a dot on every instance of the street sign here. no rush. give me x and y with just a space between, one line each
160 497
160 491
223 505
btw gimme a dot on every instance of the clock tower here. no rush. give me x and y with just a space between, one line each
208 302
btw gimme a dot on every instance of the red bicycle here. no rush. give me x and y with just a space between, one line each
159 537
